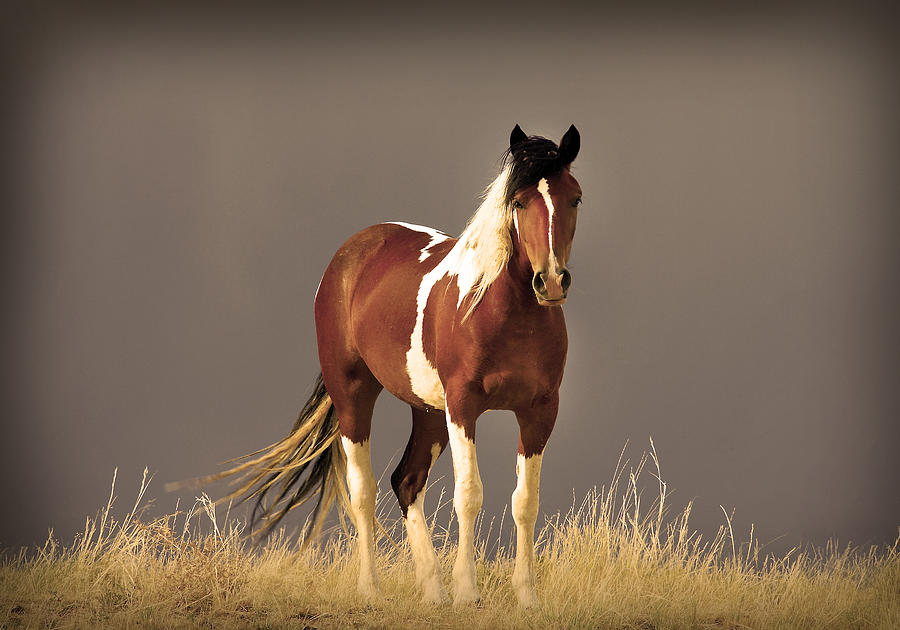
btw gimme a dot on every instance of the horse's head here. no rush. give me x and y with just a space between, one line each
544 198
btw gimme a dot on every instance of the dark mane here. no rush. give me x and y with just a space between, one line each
531 160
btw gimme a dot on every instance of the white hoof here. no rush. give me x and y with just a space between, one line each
369 590
523 586
433 592
527 597
464 595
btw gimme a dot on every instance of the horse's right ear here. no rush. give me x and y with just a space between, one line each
517 136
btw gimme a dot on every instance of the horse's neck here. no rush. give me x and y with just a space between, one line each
518 269
511 292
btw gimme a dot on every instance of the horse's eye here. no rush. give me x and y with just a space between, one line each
576 203
517 204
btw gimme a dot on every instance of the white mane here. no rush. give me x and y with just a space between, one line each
485 246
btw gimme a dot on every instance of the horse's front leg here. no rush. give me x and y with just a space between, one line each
535 425
467 493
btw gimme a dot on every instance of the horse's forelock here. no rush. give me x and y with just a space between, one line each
532 160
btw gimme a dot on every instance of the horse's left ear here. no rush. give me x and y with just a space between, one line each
569 145
517 136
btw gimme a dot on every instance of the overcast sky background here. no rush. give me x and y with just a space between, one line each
181 180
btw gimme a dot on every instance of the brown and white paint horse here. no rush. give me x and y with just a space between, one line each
453 327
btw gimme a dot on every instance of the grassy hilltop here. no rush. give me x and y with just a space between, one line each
610 562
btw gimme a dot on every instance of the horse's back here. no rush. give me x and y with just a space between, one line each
366 303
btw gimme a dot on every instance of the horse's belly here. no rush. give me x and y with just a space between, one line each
384 337
387 360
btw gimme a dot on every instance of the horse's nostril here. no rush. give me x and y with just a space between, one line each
566 280
538 282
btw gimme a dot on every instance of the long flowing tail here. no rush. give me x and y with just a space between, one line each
309 462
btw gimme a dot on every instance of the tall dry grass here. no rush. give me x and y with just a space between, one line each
612 561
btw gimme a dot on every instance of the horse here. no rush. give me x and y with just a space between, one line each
452 327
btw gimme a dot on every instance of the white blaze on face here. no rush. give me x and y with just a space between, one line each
544 189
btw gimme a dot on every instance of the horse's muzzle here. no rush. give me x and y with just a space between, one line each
551 288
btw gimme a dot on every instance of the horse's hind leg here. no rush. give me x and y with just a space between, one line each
426 443
353 391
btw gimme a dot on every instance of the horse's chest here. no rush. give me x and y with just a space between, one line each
516 384
507 375
511 371
503 356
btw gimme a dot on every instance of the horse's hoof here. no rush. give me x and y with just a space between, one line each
466 597
370 592
433 592
527 598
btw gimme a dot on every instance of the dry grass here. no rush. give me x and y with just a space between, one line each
610 562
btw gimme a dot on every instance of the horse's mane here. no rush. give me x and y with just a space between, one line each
485 245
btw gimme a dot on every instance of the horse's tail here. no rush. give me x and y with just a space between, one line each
309 462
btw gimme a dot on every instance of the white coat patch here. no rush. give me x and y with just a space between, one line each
436 236
423 377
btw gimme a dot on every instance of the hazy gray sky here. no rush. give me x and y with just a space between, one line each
182 180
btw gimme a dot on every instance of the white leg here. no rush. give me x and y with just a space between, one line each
468 494
361 483
525 510
428 572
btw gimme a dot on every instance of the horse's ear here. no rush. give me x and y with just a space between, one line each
517 136
569 145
